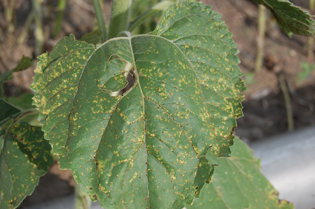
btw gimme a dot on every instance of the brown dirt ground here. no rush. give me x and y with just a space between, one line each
264 106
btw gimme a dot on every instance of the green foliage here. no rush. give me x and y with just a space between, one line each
119 17
138 9
24 63
291 19
141 149
100 20
250 78
93 37
307 69
24 153
238 183
23 101
24 157
8 111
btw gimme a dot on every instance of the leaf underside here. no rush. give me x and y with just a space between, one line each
291 19
24 157
143 149
238 183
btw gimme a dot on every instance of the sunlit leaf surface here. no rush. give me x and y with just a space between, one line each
143 148
24 157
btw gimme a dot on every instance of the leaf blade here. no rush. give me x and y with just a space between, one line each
237 182
25 156
146 136
8 111
291 19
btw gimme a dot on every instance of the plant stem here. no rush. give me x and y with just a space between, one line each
119 17
287 100
100 20
82 199
310 54
261 37
39 34
9 15
26 27
59 19
146 15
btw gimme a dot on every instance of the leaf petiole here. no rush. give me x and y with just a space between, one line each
146 15
100 20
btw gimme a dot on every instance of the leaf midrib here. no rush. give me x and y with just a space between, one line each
140 88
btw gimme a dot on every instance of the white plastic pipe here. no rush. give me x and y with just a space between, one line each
288 162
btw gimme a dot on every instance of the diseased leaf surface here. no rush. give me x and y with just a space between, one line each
24 157
290 18
238 183
143 149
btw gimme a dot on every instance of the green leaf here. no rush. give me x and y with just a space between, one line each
291 19
23 101
7 112
18 109
238 183
24 157
146 13
142 149
93 37
24 63
306 71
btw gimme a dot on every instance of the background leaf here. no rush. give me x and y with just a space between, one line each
24 63
140 8
7 111
291 19
238 183
93 37
24 157
142 149
23 101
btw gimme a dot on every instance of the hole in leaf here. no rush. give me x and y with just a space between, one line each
130 78
118 78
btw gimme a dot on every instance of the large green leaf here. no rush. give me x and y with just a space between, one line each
143 149
238 183
290 18
24 157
